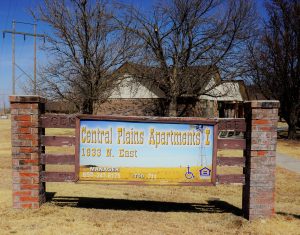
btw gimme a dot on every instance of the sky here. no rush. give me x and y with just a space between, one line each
18 10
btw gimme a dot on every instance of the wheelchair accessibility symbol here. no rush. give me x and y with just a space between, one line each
189 174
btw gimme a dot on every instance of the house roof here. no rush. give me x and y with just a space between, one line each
194 73
128 88
147 88
228 91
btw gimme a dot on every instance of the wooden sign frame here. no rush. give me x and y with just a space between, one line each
159 120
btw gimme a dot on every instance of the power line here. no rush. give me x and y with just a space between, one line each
13 32
32 80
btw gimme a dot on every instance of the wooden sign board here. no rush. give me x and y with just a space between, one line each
157 151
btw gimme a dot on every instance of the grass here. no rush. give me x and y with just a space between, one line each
113 209
289 147
285 146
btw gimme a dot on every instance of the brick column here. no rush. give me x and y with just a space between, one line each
261 137
28 190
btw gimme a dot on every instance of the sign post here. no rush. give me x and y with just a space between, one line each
132 150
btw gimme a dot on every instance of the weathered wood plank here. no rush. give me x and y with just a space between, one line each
58 140
58 121
236 124
58 159
58 176
68 121
230 161
231 143
151 119
231 179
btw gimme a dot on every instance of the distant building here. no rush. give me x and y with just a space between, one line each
138 97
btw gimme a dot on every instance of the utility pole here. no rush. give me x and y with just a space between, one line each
13 32
13 58
34 67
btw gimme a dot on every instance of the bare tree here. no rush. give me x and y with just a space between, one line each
275 59
186 43
84 46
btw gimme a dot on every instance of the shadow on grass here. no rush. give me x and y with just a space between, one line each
283 134
212 206
288 214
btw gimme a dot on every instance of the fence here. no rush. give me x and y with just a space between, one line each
29 158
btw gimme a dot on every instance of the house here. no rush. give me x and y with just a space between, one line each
140 97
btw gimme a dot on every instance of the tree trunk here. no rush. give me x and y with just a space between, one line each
87 106
292 132
292 120
172 112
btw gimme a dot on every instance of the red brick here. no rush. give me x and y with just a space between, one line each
29 199
20 155
22 168
15 162
27 136
22 193
24 124
29 161
28 149
267 128
26 205
17 205
26 181
21 143
27 111
29 186
21 130
35 205
22 118
261 121
20 106
35 168
28 174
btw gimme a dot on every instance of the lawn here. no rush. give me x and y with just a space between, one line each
285 146
289 147
107 209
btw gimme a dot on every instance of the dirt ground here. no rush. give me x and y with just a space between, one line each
106 209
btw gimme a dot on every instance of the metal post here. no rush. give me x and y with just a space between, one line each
13 59
34 72
35 35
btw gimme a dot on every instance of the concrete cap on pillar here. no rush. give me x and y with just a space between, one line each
27 99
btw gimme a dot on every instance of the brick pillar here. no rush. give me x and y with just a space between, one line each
28 190
261 137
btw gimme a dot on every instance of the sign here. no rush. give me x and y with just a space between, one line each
133 151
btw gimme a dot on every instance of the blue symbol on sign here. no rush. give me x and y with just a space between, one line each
205 172
189 174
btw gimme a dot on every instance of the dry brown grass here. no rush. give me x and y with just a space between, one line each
107 209
289 147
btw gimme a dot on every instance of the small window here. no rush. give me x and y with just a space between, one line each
230 133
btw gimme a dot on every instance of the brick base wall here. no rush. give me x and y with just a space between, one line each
261 136
131 107
28 190
154 107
